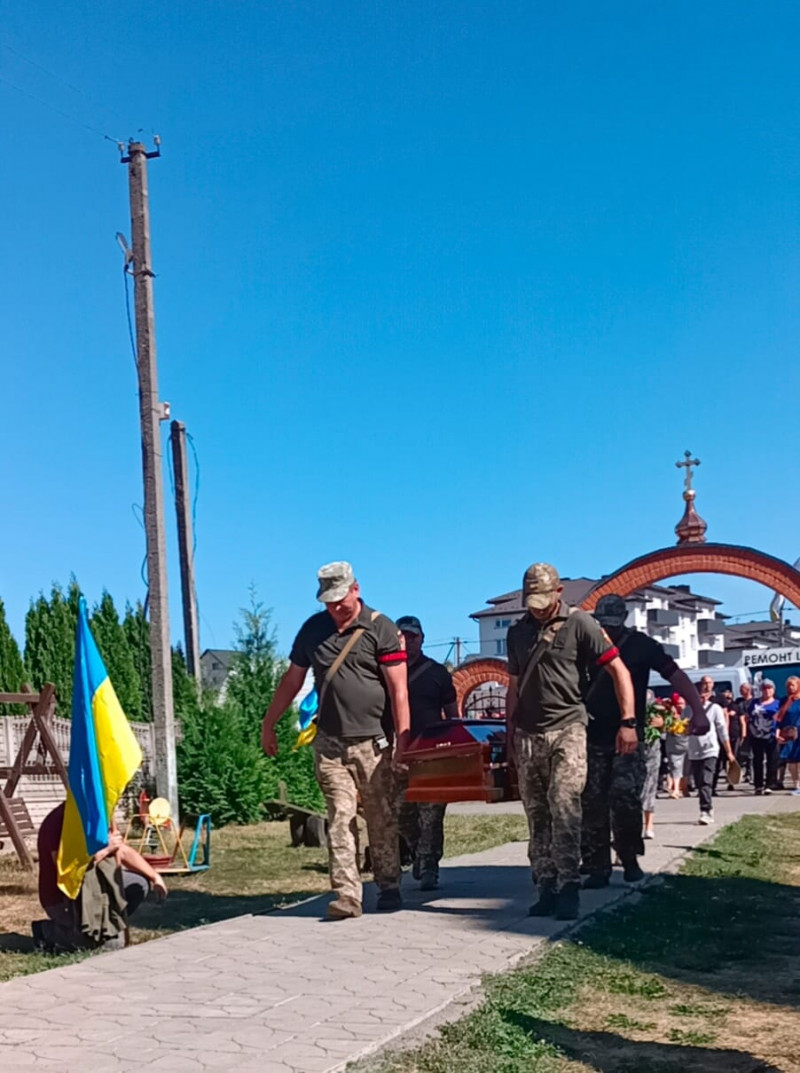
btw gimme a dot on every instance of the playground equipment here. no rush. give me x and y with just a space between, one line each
153 833
15 820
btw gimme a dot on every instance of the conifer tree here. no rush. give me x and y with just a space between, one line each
112 641
137 632
12 671
50 642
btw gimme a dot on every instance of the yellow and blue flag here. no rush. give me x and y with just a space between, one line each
103 757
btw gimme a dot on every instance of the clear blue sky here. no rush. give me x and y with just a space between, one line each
443 288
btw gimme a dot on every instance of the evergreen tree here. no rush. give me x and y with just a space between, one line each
50 642
137 632
112 640
256 669
12 671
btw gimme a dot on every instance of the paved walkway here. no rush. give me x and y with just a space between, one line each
290 993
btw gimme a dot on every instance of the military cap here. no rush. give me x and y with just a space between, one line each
335 581
539 586
410 624
611 610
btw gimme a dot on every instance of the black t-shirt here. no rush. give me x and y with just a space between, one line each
430 687
640 654
355 697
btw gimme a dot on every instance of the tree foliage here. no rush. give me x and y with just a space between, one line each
137 633
50 626
112 640
12 670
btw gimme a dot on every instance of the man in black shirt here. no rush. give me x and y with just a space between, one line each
358 659
431 697
612 799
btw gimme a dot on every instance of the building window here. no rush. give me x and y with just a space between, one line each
502 623
501 647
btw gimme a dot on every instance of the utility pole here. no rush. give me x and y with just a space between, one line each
191 631
457 643
151 413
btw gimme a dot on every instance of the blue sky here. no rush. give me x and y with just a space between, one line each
442 288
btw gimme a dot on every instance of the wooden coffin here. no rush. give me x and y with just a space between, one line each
461 760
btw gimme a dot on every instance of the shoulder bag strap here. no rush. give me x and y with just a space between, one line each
543 644
419 671
355 637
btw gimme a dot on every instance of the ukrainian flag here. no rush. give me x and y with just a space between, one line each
103 757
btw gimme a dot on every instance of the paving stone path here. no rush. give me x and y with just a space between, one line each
289 992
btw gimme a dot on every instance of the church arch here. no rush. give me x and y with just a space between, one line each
699 559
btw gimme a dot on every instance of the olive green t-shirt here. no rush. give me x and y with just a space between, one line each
553 695
355 697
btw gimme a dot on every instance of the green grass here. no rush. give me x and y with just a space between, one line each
699 975
254 869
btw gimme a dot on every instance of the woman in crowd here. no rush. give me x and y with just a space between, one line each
788 721
762 731
678 750
654 735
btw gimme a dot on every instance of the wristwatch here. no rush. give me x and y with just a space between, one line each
629 724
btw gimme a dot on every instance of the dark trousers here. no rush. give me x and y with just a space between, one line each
703 774
611 801
764 752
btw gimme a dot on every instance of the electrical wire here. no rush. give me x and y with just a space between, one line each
63 81
60 112
126 274
190 438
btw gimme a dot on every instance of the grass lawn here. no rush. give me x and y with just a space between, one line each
254 869
701 974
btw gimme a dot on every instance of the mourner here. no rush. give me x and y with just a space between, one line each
612 799
551 652
358 658
431 697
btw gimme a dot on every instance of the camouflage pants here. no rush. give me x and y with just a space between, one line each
345 770
551 767
422 829
612 801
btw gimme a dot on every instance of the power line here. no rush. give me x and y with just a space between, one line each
60 112
58 78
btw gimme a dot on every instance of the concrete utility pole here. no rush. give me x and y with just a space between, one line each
457 643
152 413
183 510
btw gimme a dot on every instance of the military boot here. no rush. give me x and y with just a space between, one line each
596 881
546 905
568 902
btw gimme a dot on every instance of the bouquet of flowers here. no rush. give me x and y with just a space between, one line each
661 715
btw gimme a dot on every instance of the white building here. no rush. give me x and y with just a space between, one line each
686 624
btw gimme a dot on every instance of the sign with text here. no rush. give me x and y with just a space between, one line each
755 658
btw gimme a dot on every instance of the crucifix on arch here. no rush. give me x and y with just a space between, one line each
687 464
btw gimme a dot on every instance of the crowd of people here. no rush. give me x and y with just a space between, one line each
755 739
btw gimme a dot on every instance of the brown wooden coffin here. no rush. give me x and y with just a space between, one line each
461 760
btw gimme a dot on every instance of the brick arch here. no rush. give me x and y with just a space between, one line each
477 673
699 559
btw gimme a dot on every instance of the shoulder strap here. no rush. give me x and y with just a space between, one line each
353 640
419 671
546 639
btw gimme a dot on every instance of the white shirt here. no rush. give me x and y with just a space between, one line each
701 747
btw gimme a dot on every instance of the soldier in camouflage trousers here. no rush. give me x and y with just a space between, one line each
551 768
552 651
344 771
612 802
617 768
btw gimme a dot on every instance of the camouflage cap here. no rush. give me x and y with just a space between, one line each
410 624
611 610
539 586
335 581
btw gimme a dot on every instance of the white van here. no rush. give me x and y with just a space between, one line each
724 678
